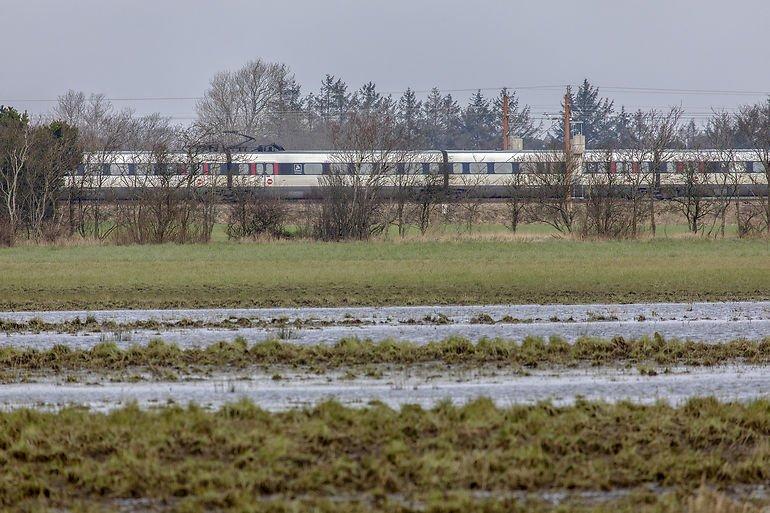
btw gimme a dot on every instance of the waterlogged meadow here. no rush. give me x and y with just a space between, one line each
477 457
504 405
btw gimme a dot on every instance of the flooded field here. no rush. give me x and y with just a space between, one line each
279 392
707 322
712 322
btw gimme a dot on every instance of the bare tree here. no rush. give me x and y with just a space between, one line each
516 200
753 123
103 132
553 177
721 133
15 144
254 212
168 205
606 210
430 194
468 199
692 195
650 139
406 187
239 106
368 152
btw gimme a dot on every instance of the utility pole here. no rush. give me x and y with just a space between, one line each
568 144
506 123
567 124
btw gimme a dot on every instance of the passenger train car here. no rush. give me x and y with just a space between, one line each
296 175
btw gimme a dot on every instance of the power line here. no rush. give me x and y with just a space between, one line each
617 89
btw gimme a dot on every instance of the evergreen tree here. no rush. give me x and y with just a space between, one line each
520 120
287 119
366 99
340 100
451 122
692 137
595 113
409 117
478 123
432 118
332 101
622 137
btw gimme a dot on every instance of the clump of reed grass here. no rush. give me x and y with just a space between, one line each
645 353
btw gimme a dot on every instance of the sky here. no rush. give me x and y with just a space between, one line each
703 53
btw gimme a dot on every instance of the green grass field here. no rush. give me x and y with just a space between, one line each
379 273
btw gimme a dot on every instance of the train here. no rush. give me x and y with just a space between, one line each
492 174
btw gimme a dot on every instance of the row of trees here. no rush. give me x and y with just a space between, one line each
34 159
262 101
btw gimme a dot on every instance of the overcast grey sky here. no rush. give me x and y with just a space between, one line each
151 48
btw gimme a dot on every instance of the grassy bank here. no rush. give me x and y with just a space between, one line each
352 354
470 458
379 273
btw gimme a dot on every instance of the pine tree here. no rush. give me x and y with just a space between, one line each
520 120
451 121
340 100
622 137
595 113
366 99
478 123
409 117
432 119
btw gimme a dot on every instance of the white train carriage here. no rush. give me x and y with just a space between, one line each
297 174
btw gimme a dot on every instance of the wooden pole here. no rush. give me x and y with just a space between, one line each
506 124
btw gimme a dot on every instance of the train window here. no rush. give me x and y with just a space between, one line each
501 168
116 170
409 168
434 168
515 167
757 167
478 168
105 170
592 167
365 168
314 169
528 167
718 167
645 167
549 167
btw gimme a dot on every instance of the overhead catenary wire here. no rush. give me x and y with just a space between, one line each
617 89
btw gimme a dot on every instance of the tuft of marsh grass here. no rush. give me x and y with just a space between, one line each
475 457
645 353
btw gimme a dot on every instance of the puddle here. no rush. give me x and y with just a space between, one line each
727 383
708 322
